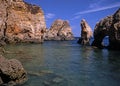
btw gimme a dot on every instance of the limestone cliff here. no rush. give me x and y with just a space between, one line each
59 30
109 26
86 33
21 22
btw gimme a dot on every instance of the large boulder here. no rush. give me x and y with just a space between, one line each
21 22
109 26
86 33
11 72
59 30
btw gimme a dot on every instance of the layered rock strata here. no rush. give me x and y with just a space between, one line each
59 30
86 33
21 22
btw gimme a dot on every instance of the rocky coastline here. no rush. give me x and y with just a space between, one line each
108 26
21 22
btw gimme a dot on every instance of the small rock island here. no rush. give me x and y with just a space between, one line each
59 30
86 33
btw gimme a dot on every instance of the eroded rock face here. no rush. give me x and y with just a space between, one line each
59 30
109 26
21 22
11 72
86 33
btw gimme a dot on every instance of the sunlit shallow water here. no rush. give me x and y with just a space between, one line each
66 63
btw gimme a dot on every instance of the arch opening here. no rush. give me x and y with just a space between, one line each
105 41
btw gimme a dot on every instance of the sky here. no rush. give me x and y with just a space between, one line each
76 10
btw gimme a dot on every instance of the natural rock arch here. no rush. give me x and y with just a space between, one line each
109 26
105 41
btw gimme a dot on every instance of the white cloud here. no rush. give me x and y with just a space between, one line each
99 9
75 17
49 15
96 4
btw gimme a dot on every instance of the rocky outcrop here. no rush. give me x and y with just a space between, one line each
86 33
11 72
59 30
109 26
21 22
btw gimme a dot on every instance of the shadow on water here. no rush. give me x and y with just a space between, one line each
45 78
102 66
66 63
114 60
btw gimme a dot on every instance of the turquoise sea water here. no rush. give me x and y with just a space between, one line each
66 63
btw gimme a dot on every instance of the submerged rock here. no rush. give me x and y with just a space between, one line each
21 22
49 78
56 80
109 26
52 79
59 30
11 72
86 33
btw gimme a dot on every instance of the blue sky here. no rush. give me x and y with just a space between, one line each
75 10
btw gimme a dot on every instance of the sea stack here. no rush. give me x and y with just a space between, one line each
109 26
59 30
21 22
86 33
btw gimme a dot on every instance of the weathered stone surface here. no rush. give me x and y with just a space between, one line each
59 30
109 26
21 22
11 72
86 33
